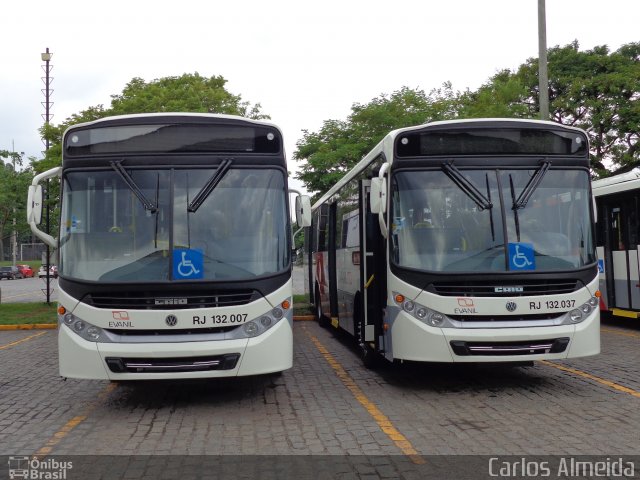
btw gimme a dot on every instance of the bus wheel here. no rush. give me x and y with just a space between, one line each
322 320
370 359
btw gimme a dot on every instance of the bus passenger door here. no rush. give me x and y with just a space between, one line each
372 272
621 252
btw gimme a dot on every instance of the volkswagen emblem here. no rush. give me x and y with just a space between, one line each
511 307
171 320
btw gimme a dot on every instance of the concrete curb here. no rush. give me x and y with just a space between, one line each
53 326
30 326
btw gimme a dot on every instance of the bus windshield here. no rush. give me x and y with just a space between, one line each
437 226
239 232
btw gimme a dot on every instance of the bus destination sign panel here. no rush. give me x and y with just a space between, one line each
172 138
488 141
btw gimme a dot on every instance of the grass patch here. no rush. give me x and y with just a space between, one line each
301 305
27 313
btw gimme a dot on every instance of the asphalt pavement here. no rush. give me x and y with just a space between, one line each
27 290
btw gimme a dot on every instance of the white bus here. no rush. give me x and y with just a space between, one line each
618 242
462 241
174 248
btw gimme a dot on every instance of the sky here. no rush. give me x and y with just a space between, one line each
304 62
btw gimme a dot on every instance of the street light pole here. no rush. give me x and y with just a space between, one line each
543 77
46 58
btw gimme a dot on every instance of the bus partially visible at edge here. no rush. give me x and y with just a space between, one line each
618 242
174 248
461 241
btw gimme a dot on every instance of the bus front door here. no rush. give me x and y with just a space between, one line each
372 276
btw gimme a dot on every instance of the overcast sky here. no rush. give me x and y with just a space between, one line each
305 62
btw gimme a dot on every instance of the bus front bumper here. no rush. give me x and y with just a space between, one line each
267 353
416 341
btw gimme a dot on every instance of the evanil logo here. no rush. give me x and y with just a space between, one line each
49 469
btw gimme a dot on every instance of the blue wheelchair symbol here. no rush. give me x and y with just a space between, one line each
600 266
521 256
188 264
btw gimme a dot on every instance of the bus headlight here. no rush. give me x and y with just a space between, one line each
82 328
435 319
575 316
251 328
261 323
422 313
579 314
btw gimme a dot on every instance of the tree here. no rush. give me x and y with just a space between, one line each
328 154
595 90
186 93
598 91
14 184
503 96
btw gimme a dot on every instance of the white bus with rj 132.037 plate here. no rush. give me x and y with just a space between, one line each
461 241
174 248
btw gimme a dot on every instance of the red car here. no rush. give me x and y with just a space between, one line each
26 270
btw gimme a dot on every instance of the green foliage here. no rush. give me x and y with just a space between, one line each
14 184
187 93
328 154
598 91
27 313
503 96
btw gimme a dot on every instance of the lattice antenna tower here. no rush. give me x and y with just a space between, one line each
47 91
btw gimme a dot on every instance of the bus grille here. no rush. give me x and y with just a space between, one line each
504 289
164 301
164 365
506 318
530 347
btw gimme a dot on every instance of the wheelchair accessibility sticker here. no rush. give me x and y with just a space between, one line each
521 256
188 264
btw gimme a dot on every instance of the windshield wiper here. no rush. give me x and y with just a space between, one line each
531 186
493 232
514 208
146 203
466 186
212 183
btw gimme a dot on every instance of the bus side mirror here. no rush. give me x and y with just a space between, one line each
378 195
34 204
303 211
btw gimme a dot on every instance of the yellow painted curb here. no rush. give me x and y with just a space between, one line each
303 318
30 326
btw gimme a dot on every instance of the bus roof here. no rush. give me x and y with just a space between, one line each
158 116
386 144
617 183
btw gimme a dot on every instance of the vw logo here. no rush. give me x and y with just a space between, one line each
171 320
511 306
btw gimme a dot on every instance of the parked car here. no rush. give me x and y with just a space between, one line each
26 270
10 273
53 271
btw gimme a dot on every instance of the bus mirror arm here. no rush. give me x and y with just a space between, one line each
34 205
378 198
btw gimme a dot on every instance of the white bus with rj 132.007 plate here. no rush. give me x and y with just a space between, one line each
174 248
462 241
